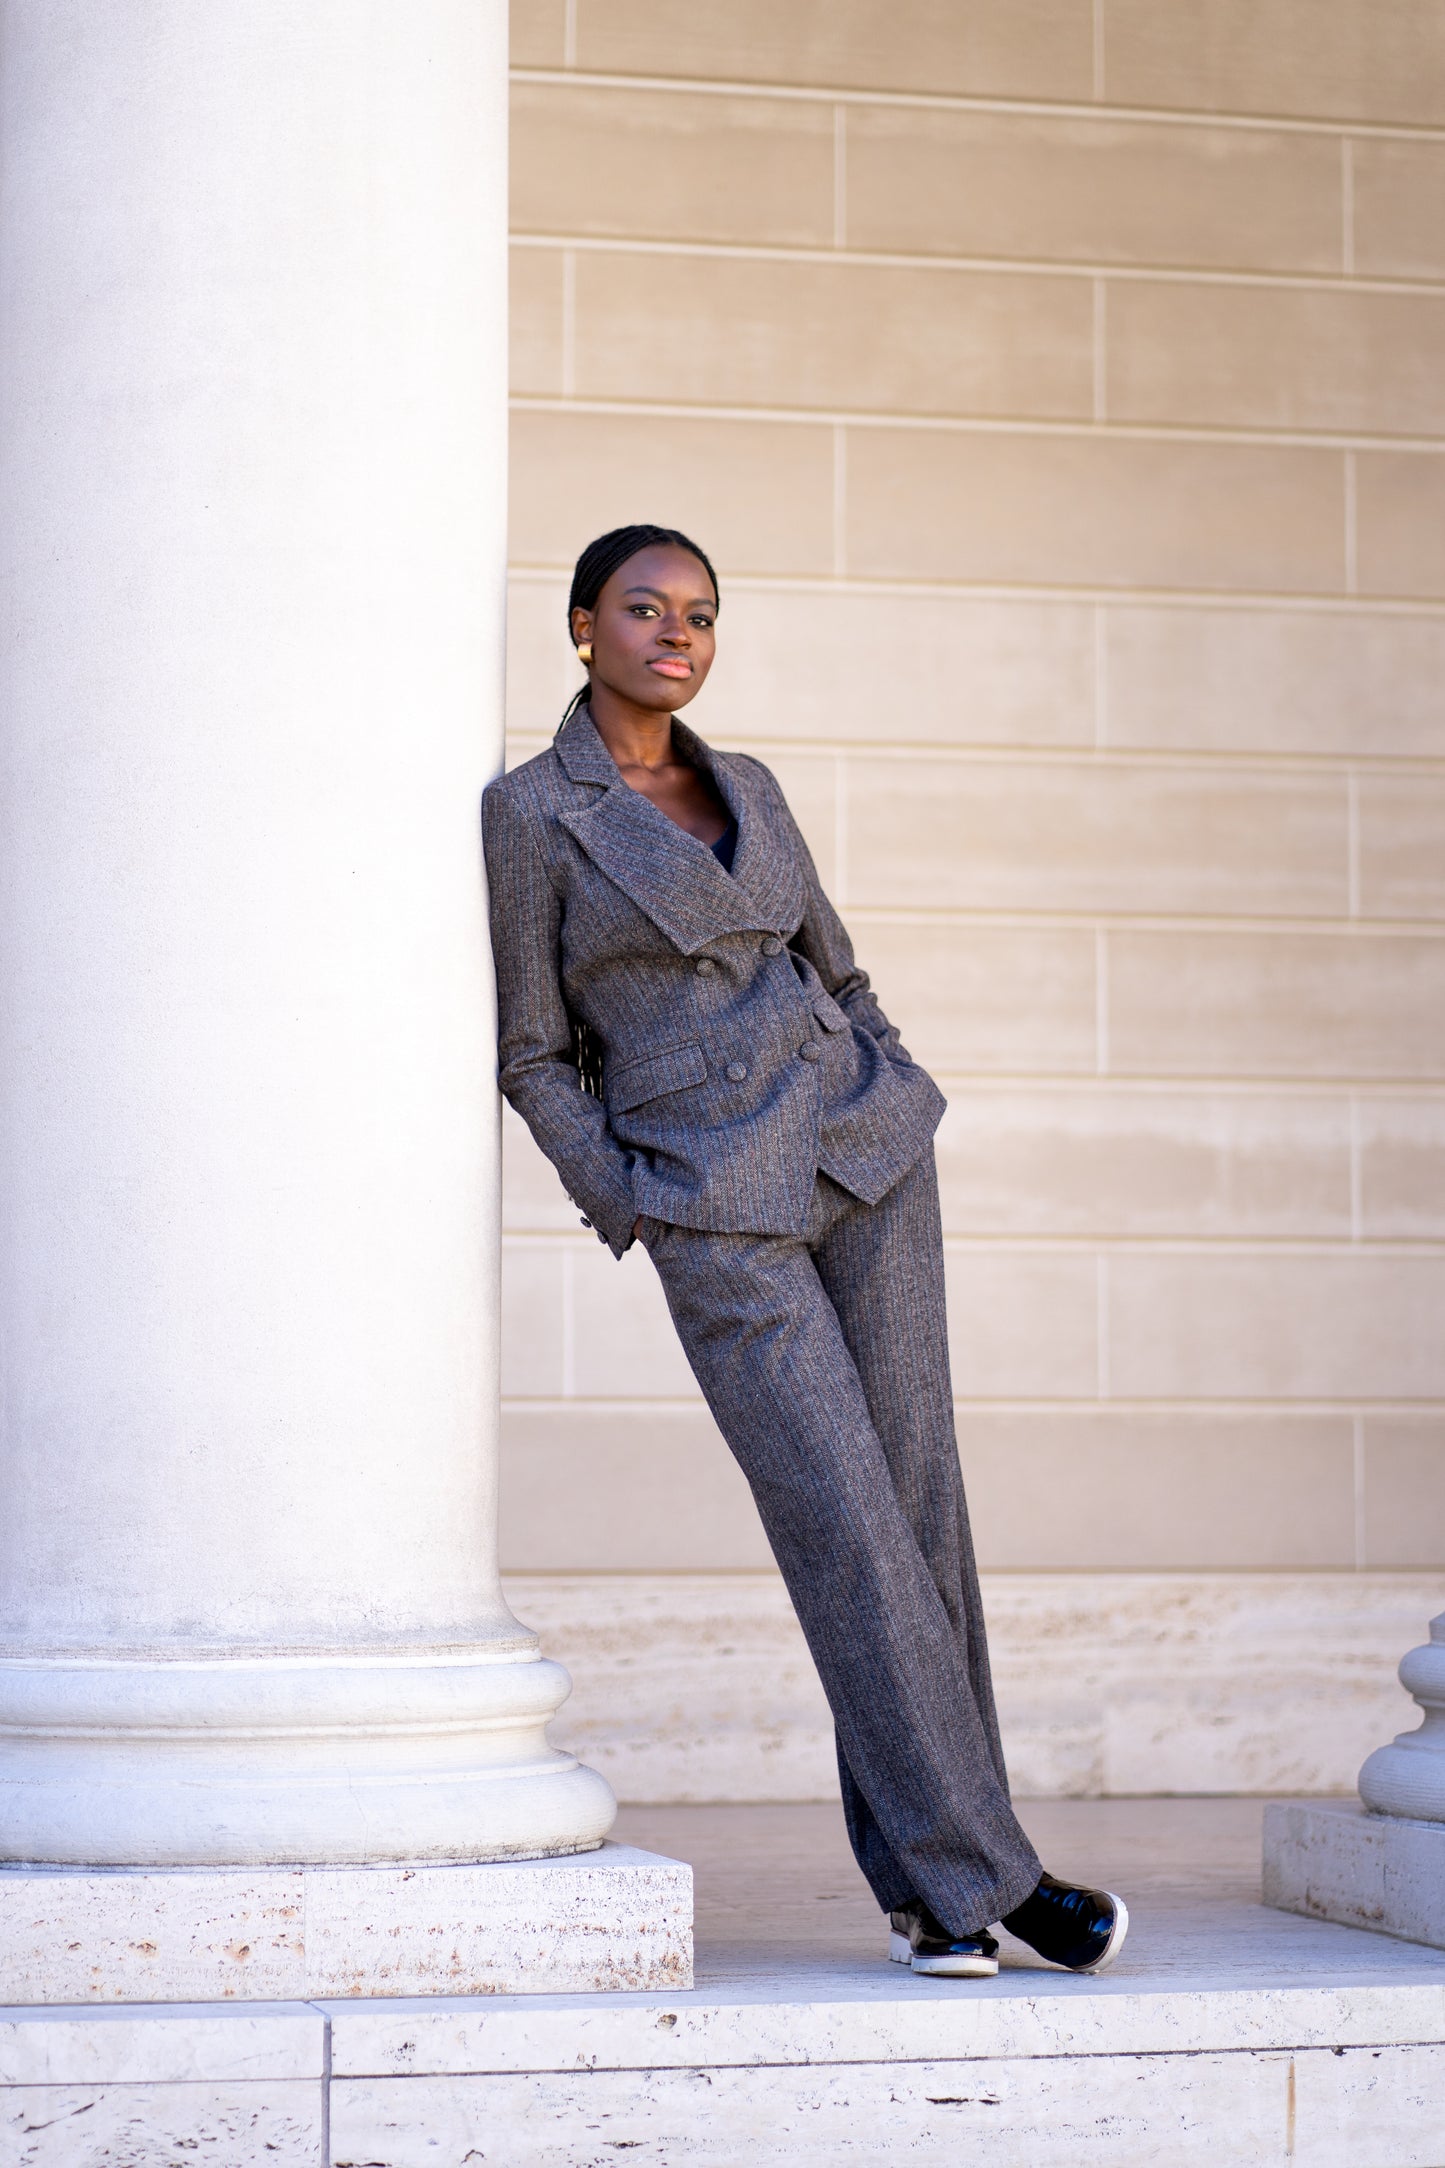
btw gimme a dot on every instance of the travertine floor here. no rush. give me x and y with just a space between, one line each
780 1902
1227 2034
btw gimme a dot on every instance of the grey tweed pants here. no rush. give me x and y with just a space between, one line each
824 1358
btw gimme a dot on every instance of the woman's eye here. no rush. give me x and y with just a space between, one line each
643 609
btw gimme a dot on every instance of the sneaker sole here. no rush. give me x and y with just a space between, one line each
1115 1942
957 1968
900 1952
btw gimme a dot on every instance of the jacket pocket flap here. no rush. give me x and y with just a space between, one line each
828 1013
670 1070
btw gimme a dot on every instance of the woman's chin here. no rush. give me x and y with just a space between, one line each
664 694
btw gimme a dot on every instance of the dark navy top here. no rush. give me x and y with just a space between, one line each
725 845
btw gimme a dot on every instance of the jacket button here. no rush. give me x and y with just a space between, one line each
772 946
705 967
737 1071
810 1050
585 1221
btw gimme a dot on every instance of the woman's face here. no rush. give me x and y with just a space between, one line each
652 629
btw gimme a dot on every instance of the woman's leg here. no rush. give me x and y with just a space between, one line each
770 1352
881 1267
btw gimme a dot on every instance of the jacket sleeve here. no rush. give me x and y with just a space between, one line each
823 940
538 1073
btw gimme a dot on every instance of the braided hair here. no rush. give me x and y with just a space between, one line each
603 557
595 568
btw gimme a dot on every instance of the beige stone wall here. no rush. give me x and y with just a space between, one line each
1060 388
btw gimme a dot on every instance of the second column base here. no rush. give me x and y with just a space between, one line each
1334 1860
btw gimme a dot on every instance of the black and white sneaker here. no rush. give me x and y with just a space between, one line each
1082 1929
918 1938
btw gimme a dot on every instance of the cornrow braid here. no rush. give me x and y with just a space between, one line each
602 558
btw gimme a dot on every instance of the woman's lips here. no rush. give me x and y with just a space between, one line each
671 666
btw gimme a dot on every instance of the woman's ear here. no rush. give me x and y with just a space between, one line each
581 627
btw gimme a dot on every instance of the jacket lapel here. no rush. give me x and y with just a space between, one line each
668 873
765 862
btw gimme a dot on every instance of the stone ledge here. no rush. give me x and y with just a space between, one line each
1325 2107
774 2019
1333 1860
1031 2068
612 1919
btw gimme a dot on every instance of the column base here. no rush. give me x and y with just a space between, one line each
327 1758
1334 1860
610 1919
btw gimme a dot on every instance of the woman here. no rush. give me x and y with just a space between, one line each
686 1034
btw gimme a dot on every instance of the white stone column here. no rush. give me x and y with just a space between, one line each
252 480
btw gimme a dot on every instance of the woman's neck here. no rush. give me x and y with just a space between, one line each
640 741
636 737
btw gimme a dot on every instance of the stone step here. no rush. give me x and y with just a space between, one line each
1027 2071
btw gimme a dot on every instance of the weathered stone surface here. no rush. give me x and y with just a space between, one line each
172 2043
800 2020
1104 2111
108 1935
159 2126
615 1918
1334 1860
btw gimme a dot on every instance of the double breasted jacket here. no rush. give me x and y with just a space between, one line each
742 1047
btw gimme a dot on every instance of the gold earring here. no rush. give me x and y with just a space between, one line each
584 653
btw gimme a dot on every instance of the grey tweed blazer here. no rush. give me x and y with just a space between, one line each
742 1047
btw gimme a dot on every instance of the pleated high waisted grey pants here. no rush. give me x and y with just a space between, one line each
824 1358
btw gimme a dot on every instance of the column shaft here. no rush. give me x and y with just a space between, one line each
252 549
